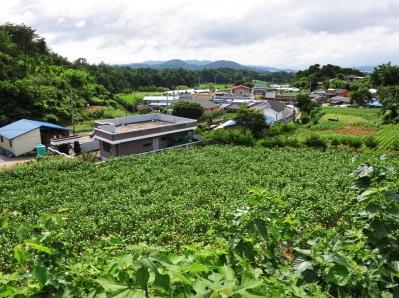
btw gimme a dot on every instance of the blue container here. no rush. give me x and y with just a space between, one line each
40 150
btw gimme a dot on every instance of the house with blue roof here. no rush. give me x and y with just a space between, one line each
22 137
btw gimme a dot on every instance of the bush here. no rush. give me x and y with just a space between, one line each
335 141
316 142
181 87
147 89
353 142
279 142
162 89
190 110
281 128
371 142
226 136
51 118
252 119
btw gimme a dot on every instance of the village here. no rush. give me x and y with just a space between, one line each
207 149
159 129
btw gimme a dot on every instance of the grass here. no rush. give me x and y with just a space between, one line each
133 98
101 113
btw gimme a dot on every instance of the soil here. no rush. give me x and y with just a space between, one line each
356 131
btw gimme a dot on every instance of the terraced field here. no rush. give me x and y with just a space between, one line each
358 122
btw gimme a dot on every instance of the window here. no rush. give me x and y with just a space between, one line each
10 143
147 145
107 147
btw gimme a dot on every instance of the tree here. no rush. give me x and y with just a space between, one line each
305 103
385 75
186 109
361 96
252 119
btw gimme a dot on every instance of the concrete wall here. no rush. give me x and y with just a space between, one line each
22 144
134 147
241 91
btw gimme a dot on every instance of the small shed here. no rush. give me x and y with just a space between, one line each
241 90
24 135
338 100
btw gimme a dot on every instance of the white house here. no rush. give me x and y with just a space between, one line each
24 135
276 110
159 101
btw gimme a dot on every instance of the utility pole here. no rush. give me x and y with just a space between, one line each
199 82
72 112
134 100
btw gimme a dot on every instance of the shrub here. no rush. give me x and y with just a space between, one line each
279 142
316 142
252 119
226 136
147 89
51 118
281 128
371 142
335 141
187 109
162 89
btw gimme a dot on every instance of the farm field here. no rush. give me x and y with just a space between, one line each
131 98
175 197
356 122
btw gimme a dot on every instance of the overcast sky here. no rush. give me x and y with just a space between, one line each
280 33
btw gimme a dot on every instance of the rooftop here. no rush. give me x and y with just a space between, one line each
141 123
23 126
140 126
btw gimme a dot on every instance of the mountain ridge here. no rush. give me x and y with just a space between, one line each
202 64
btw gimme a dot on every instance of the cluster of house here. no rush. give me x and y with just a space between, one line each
138 133
272 105
340 97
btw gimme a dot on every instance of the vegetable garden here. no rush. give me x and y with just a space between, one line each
173 199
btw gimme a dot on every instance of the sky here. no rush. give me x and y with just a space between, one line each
279 33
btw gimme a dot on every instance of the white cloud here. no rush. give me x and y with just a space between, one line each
80 24
283 33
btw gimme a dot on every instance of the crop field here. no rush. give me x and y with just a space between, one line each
175 197
357 122
135 97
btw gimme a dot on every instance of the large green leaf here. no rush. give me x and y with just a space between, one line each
40 274
110 285
7 291
142 277
129 293
338 275
36 246
301 265
19 254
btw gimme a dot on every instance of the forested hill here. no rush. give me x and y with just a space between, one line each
36 82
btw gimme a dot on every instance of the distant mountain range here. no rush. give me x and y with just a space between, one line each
202 64
366 68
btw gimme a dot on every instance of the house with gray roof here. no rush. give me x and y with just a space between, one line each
142 133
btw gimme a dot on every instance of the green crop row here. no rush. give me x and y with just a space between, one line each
175 197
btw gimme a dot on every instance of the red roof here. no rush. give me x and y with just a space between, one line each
240 86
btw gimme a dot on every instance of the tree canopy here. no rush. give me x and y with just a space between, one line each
252 119
185 109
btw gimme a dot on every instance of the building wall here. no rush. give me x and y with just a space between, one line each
22 144
241 91
138 146
275 115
